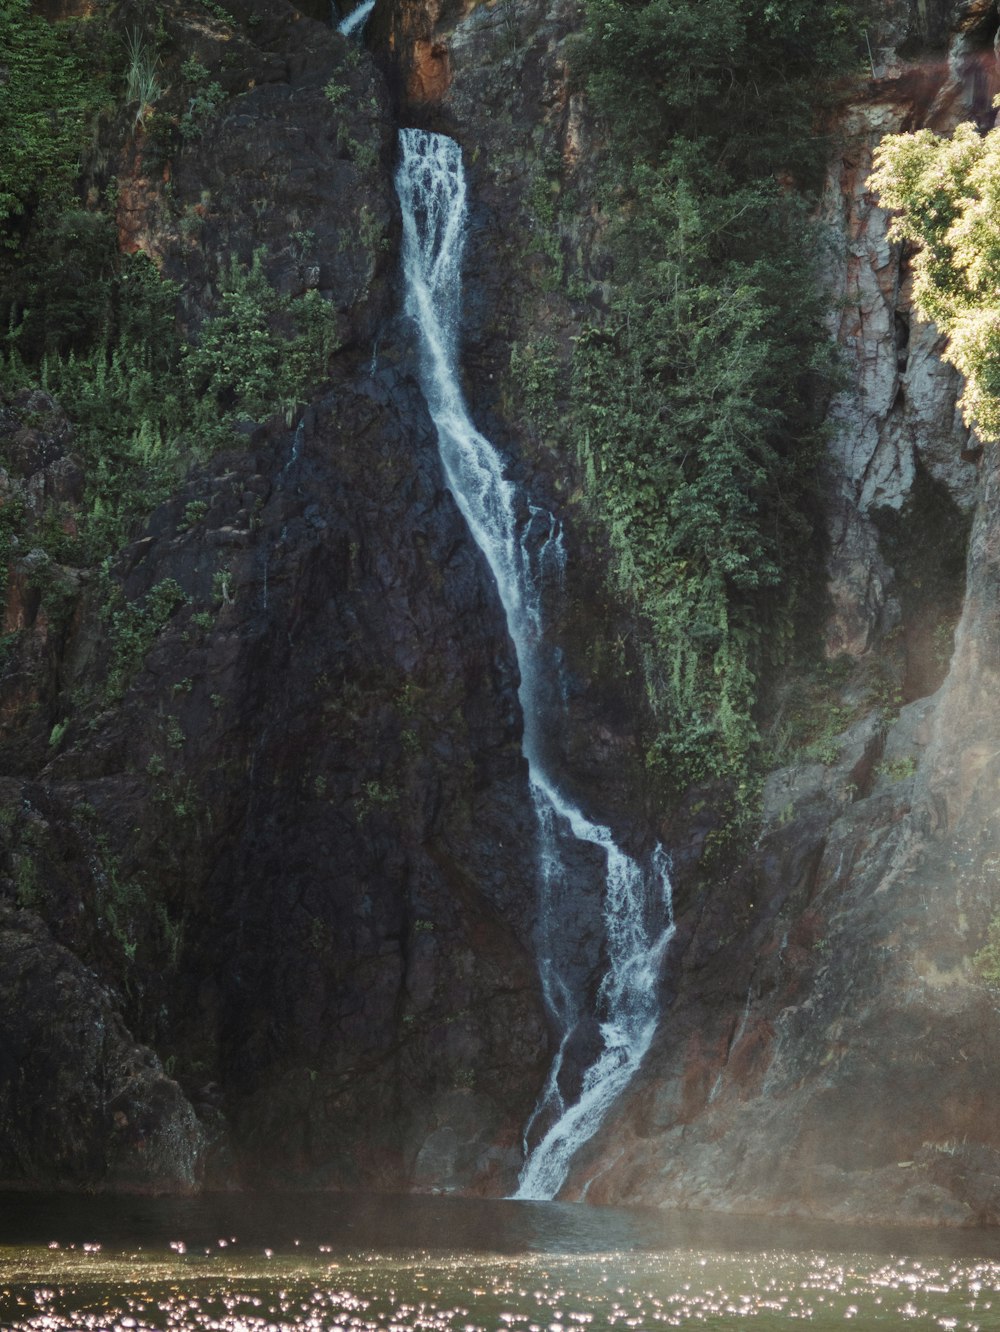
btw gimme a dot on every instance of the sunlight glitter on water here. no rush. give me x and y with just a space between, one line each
331 1263
465 1293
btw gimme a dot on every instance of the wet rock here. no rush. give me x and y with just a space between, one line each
83 1104
314 782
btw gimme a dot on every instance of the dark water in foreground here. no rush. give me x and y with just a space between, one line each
336 1263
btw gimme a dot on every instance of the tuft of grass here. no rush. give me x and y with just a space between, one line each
142 80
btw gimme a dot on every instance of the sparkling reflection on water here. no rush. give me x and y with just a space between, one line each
332 1263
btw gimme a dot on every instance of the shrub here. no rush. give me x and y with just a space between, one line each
261 350
142 81
947 192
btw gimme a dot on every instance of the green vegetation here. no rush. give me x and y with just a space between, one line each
134 627
739 83
203 97
48 98
986 963
142 81
948 194
260 351
697 393
145 401
99 330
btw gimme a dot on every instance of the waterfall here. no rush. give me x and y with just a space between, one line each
356 19
637 909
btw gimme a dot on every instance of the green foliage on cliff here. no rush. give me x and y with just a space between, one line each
48 97
701 465
699 390
948 194
741 78
99 329
145 400
260 349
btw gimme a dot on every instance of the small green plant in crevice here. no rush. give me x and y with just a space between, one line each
808 713
171 934
174 733
135 917
120 902
193 71
222 586
375 795
825 745
371 232
204 97
142 79
986 963
899 769
134 628
185 802
223 15
535 378
27 888
365 156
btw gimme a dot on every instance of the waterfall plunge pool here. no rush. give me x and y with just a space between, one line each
344 1263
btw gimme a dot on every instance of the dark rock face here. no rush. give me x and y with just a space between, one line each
280 166
315 781
277 807
81 1102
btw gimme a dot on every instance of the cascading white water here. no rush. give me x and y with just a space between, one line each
637 911
357 18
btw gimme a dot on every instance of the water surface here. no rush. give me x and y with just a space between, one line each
330 1262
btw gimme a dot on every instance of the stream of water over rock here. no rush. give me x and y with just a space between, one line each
637 909
356 19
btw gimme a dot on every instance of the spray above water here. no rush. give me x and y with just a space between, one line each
524 554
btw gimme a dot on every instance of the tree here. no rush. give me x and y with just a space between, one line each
947 193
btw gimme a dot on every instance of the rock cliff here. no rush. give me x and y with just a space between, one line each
278 843
267 857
